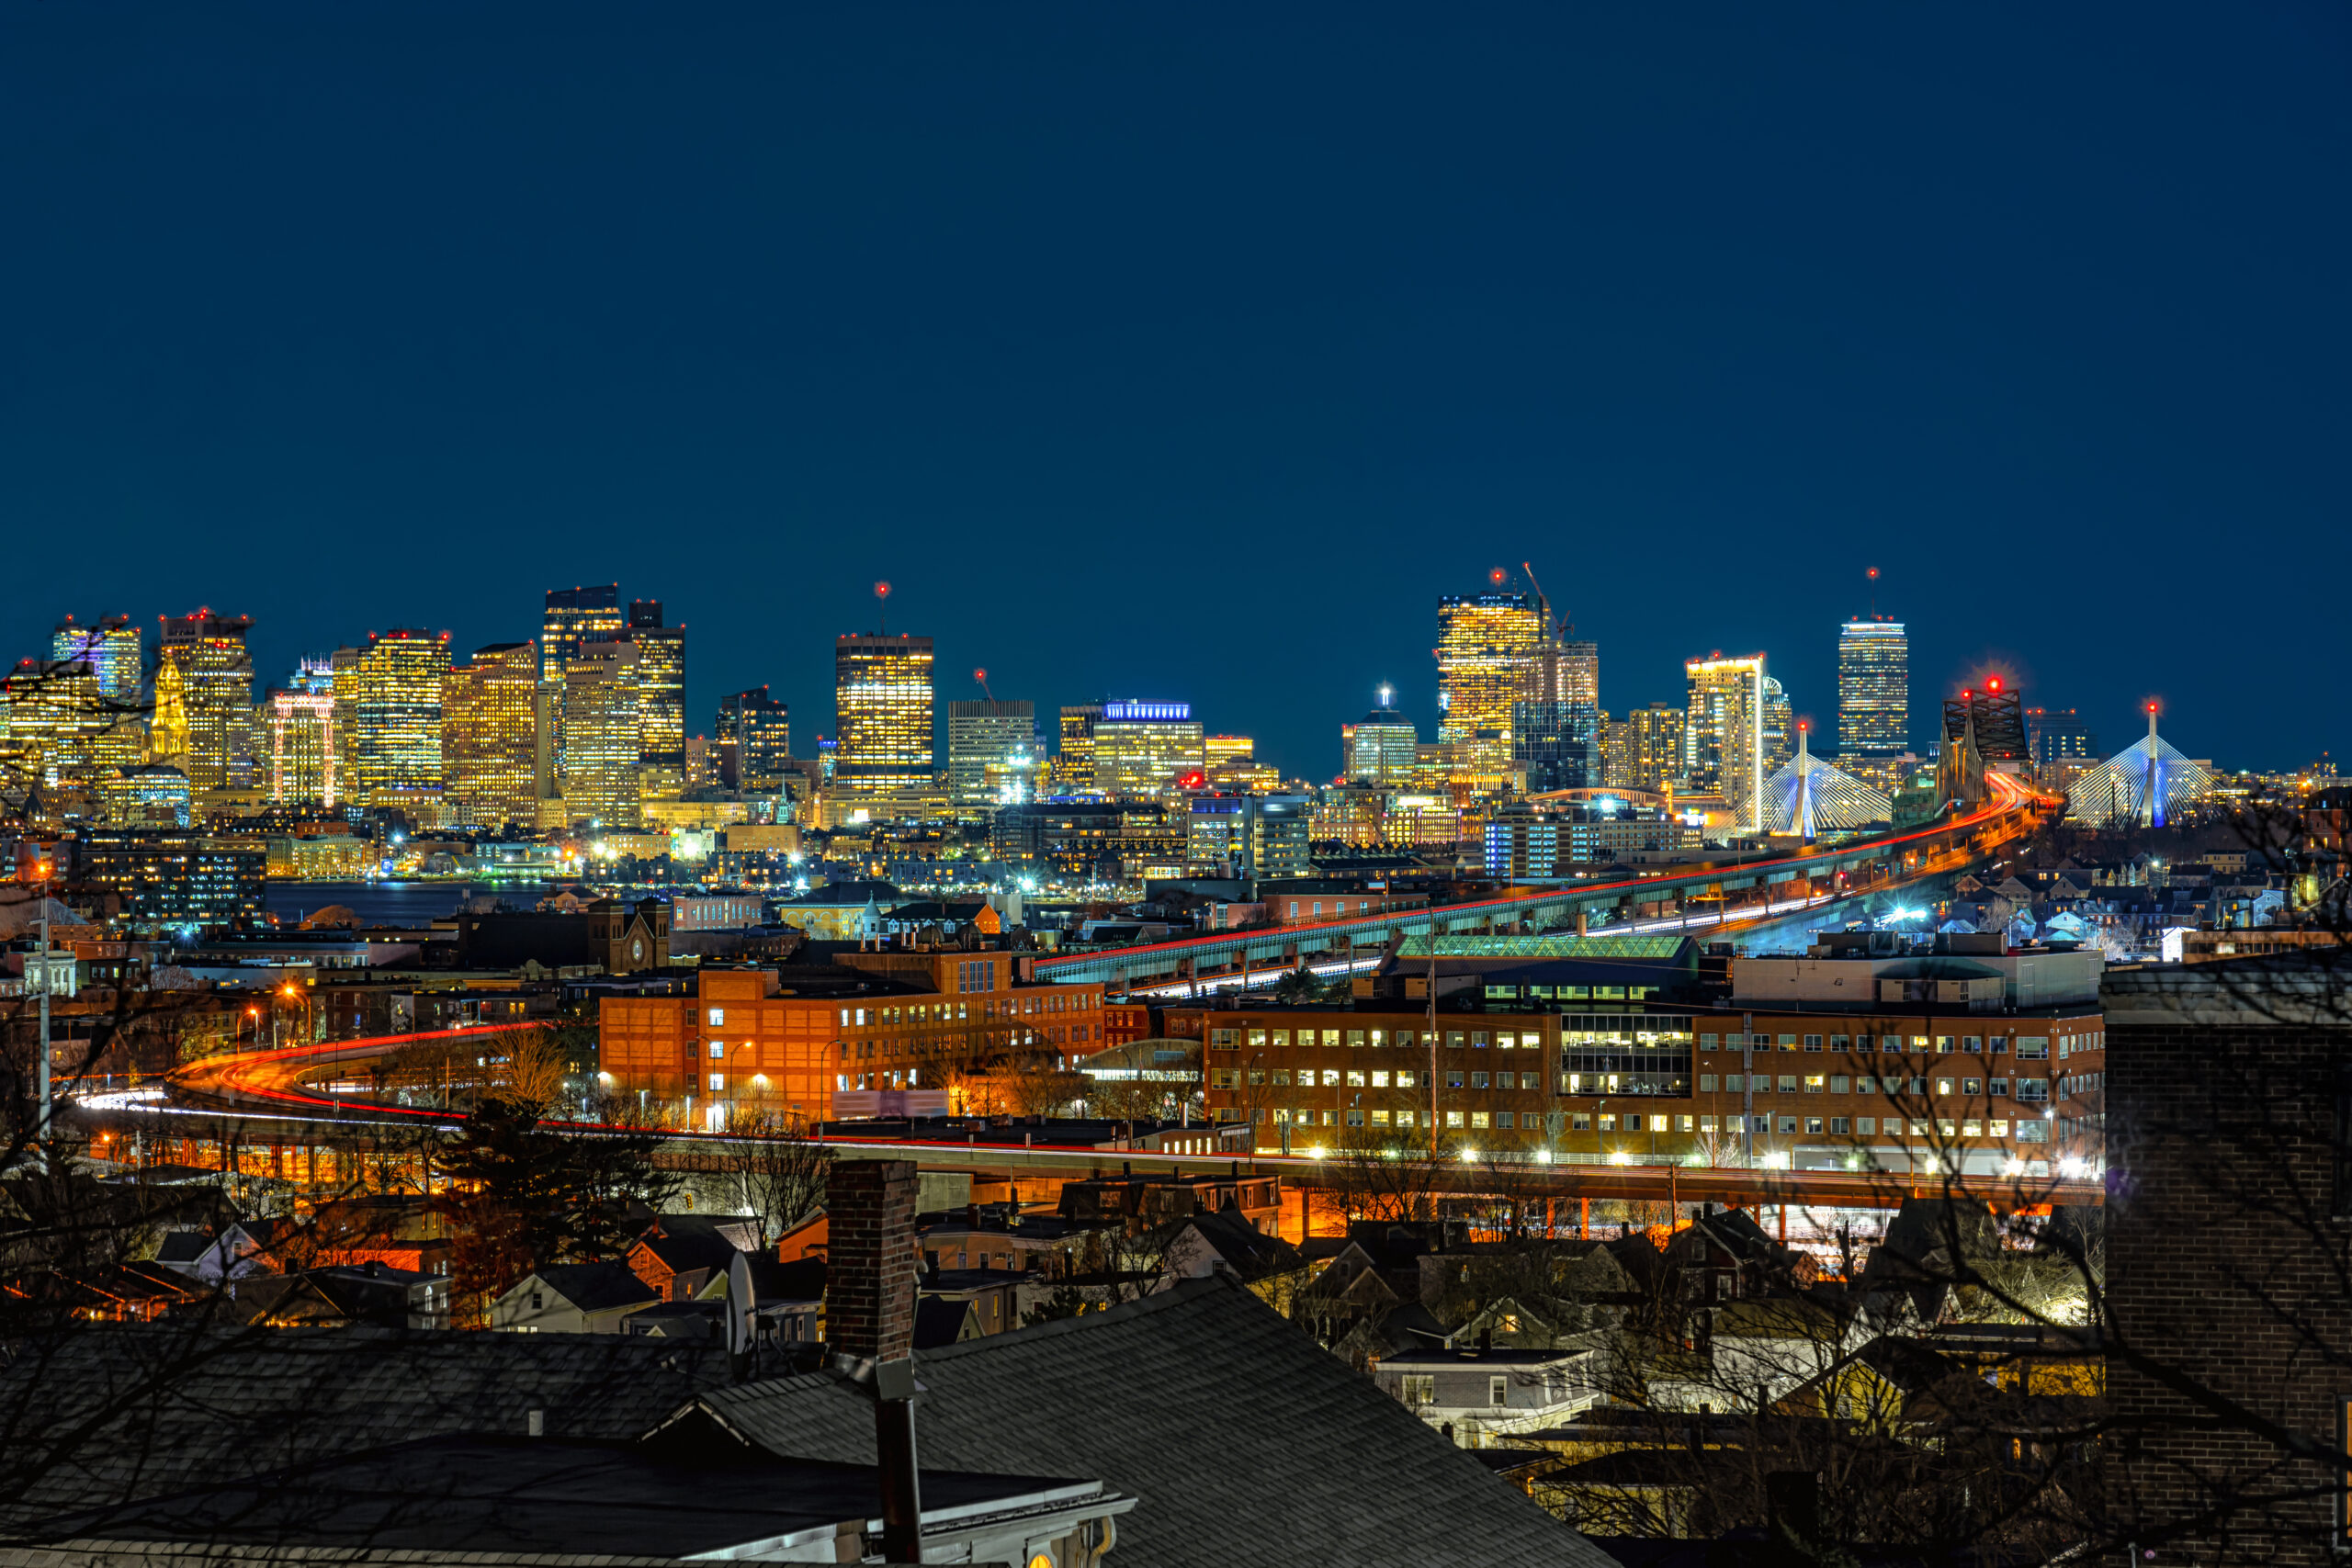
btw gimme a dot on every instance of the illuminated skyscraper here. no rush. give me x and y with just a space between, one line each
1874 689
882 714
55 721
489 738
662 685
1723 740
396 743
1380 747
1647 751
110 647
1487 652
216 695
980 733
1145 751
753 737
574 615
305 756
1074 764
604 725
167 726
1779 726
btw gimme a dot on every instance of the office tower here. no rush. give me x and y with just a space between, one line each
1227 751
396 720
151 796
1874 689
1722 740
2059 740
215 675
304 753
602 731
342 680
548 812
489 738
882 714
110 647
702 763
1074 763
661 683
1233 765
1779 726
1487 650
755 741
1646 748
1555 745
1380 746
53 714
572 616
980 733
1145 751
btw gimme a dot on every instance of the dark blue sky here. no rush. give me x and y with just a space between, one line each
1187 353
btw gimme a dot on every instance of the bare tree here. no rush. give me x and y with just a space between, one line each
770 1168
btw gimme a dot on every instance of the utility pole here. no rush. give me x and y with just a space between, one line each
1747 1084
1431 1033
41 1126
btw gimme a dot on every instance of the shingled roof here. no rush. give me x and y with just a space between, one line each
1246 1443
106 1414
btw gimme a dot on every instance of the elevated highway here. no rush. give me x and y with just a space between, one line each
1696 898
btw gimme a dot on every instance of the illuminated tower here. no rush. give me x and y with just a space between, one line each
396 720
882 714
1874 689
574 615
984 732
1780 725
489 738
215 677
1380 747
1487 648
1074 765
754 739
110 647
305 761
1143 751
603 727
1723 738
167 728
1651 751
662 685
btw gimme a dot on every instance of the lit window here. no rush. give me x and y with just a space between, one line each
1581 1121
1812 1125
718 1052
1453 1119
1478 1119
718 1018
1815 1083
1404 1080
1685 1122
1356 1079
1330 1077
717 1083
1380 1080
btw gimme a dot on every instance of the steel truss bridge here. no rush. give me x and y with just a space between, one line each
1695 898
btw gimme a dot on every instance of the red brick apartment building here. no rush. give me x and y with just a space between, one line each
1940 1060
792 1040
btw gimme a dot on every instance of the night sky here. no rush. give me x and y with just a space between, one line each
1186 353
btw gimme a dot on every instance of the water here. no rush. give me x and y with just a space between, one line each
392 903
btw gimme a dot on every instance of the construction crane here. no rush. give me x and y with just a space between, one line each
1545 600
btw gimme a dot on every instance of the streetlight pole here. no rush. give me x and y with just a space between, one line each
41 1126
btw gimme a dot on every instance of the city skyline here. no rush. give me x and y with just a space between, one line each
1535 356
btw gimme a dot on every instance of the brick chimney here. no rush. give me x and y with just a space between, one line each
870 1258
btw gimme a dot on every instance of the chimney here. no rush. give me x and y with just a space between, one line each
870 1258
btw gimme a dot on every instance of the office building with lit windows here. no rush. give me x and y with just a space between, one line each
111 646
1555 745
396 747
1074 761
572 616
661 695
2062 745
1780 725
489 738
883 714
1646 748
65 731
1381 747
1146 751
753 736
305 761
1487 650
1724 733
981 733
1874 689
213 682
603 735
153 795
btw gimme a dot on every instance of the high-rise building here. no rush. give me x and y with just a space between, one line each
305 755
981 732
1874 689
1379 747
1227 751
342 680
216 695
1779 726
489 738
109 646
882 714
59 725
1555 745
753 737
574 616
1722 740
1074 763
1487 650
396 747
661 685
1646 748
1145 751
603 732
2060 740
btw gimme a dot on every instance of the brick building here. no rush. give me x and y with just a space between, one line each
790 1038
2229 1226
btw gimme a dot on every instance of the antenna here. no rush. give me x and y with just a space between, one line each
1874 578
882 601
982 677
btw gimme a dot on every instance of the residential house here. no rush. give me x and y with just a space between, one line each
685 1256
572 1298
1473 1395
